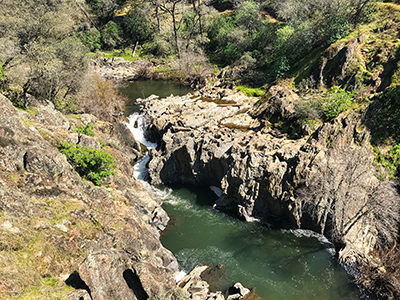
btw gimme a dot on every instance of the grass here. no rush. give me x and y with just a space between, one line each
30 110
28 123
250 92
302 69
124 53
31 260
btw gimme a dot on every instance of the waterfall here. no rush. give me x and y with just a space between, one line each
137 125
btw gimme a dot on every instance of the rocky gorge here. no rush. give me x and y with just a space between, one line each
63 237
218 137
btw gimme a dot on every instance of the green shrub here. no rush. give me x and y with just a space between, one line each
337 27
110 35
88 130
336 101
102 143
91 164
2 73
390 161
280 67
92 39
67 105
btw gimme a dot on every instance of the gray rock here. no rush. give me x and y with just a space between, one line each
257 170
79 295
88 141
109 275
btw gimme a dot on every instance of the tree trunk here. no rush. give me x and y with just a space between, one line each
134 49
86 15
158 18
200 24
175 32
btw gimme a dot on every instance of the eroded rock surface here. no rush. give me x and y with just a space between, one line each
221 138
57 224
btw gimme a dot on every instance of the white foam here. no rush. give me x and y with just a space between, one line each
320 237
137 126
178 276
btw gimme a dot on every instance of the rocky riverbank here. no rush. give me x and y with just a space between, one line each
57 228
61 236
217 137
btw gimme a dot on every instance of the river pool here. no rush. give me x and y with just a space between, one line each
279 263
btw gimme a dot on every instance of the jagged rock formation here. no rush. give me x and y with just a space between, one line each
54 223
225 141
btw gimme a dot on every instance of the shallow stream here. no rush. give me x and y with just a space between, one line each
279 264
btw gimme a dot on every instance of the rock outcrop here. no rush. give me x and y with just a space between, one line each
258 169
57 225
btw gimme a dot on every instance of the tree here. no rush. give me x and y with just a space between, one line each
55 66
138 24
39 49
344 193
171 7
110 35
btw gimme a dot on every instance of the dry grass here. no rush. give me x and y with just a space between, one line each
34 261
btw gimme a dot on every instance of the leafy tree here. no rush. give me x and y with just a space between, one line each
337 27
232 36
91 164
55 66
138 23
39 49
110 35
91 39
103 9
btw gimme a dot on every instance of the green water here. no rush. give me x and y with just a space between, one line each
280 264
145 88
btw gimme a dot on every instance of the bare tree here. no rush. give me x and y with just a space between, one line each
171 7
344 191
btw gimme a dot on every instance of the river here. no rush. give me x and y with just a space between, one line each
279 264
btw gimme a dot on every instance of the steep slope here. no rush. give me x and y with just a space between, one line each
58 229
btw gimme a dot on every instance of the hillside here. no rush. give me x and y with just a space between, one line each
317 147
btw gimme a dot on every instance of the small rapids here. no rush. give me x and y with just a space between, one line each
279 264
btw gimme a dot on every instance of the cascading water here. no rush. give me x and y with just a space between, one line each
280 264
137 126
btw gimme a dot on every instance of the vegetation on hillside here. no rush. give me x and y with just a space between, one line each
91 164
44 46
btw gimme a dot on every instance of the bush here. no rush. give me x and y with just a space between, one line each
2 73
100 98
110 35
67 105
280 67
88 130
337 101
337 27
91 164
390 161
92 39
308 110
